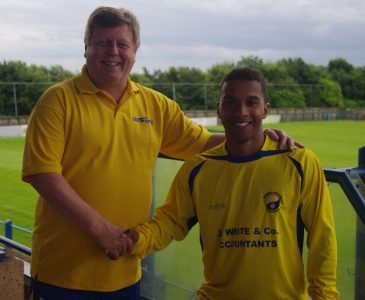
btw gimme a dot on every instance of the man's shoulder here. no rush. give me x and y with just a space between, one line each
298 152
193 163
305 156
60 93
64 85
207 155
141 88
150 95
302 152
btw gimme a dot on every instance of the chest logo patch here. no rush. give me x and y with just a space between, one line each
142 120
272 201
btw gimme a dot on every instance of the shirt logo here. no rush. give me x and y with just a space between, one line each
142 120
272 201
215 206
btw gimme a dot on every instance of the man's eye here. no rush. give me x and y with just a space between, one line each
123 46
102 43
253 102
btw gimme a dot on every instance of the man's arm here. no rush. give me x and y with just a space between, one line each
285 141
214 140
54 188
171 220
316 213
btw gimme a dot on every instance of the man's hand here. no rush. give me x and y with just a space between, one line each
132 234
285 141
111 238
54 188
123 245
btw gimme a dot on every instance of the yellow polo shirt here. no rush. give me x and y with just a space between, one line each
107 153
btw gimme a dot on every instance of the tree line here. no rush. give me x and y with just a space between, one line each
291 83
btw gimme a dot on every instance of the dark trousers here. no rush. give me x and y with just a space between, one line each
44 291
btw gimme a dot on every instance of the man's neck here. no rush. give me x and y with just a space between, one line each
246 148
115 93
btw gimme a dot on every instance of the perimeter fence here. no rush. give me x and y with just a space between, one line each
18 98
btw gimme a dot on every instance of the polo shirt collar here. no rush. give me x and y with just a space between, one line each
85 85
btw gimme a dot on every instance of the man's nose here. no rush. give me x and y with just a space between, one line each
113 48
241 109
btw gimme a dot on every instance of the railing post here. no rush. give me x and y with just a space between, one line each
148 263
205 99
8 229
173 85
15 102
360 245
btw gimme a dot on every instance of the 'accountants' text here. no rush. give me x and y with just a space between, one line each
247 244
226 236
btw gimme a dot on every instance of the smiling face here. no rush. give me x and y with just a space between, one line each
241 109
110 55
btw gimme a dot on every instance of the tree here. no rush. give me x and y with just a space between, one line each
331 95
182 84
215 75
251 61
358 83
25 84
291 83
351 80
282 97
190 88
283 90
10 72
339 65
308 77
301 72
216 72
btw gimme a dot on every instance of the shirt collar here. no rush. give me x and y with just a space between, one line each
85 85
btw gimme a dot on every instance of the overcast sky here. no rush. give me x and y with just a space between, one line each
195 33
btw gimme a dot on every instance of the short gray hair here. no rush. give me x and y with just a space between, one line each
105 17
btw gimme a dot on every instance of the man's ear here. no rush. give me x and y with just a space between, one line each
218 110
266 109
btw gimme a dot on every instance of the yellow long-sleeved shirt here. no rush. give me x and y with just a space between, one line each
252 212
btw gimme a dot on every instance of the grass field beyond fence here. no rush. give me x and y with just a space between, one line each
335 143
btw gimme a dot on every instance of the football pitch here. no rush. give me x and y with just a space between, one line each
336 143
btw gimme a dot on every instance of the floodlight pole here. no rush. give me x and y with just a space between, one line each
360 244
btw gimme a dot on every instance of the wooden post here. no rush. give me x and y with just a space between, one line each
11 277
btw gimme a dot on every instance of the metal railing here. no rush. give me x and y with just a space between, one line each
352 182
15 245
9 226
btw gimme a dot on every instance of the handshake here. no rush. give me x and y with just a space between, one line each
123 245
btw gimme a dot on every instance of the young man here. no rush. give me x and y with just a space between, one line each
252 202
91 147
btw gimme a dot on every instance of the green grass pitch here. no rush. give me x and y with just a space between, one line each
336 143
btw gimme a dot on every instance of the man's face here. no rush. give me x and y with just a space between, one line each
241 109
110 55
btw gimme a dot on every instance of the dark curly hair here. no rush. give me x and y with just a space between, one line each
245 73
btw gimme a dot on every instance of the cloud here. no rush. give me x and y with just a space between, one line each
191 33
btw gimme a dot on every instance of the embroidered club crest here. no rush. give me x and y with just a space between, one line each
272 201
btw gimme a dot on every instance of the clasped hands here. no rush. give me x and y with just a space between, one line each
122 244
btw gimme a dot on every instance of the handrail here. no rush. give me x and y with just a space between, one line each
353 186
15 245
